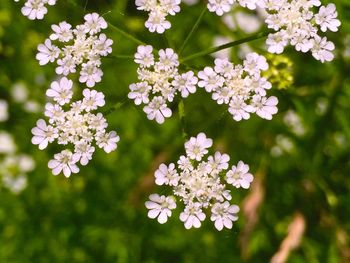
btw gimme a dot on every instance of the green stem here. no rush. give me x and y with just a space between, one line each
227 45
195 26
116 56
182 114
116 106
127 35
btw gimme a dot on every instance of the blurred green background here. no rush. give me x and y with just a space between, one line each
300 159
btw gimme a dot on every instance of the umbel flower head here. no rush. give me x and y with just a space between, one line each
159 81
158 11
82 46
241 87
199 182
223 6
36 9
77 127
297 24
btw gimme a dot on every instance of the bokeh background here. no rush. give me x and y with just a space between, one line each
299 204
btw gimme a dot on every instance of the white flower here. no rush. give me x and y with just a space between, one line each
34 9
62 32
47 52
185 83
326 18
7 143
219 162
92 99
158 110
94 23
167 175
160 207
168 59
81 47
144 56
139 92
3 110
61 91
64 161
90 74
223 215
192 216
238 176
158 11
43 134
108 141
297 24
220 6
265 107
322 48
199 185
83 152
197 147
209 79
239 109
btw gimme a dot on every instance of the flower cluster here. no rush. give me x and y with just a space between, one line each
296 24
159 82
82 46
78 126
241 87
223 6
158 11
200 184
36 9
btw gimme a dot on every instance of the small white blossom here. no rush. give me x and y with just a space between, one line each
160 207
167 175
158 11
238 176
192 216
4 115
36 9
65 162
61 91
223 215
197 147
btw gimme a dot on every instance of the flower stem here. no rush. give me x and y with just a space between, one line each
182 114
195 26
127 35
115 107
227 45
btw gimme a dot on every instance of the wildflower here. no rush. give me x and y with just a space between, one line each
73 123
298 25
241 87
158 11
159 82
36 9
80 47
199 182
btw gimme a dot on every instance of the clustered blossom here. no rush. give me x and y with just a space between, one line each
158 11
159 81
13 166
78 126
298 25
82 49
36 9
199 181
221 7
241 87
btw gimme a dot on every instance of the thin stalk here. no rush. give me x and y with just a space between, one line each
116 106
117 56
127 35
182 114
227 45
195 26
